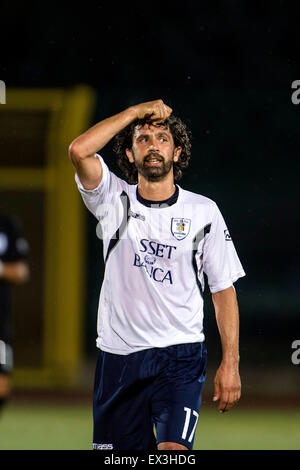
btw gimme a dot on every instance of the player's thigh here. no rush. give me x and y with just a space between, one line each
176 418
177 400
122 417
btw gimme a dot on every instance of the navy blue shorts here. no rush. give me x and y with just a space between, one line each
158 387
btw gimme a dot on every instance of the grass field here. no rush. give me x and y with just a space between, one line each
59 427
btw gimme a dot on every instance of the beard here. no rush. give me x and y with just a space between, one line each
154 173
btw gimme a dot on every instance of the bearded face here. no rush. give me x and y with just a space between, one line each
153 152
154 167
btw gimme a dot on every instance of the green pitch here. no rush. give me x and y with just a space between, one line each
59 427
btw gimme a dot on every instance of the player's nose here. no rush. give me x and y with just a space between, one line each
152 145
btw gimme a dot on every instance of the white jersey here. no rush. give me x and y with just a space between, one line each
155 258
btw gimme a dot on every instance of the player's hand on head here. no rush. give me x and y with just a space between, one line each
155 110
227 387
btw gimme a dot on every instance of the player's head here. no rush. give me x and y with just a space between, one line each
153 149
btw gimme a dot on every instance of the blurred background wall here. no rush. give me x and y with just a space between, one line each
226 68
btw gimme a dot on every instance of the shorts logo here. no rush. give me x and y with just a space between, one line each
227 236
103 446
180 228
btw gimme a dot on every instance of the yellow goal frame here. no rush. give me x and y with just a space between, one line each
70 111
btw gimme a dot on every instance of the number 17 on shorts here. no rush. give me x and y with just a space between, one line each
190 423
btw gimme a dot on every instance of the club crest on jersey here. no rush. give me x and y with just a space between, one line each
180 228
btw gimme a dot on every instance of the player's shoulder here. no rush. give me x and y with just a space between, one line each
120 183
196 198
127 188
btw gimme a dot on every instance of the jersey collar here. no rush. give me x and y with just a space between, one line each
158 204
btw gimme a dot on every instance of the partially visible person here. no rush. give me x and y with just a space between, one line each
14 269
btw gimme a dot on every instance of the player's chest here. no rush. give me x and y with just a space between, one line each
162 234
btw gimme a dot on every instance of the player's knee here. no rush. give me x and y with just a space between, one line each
170 446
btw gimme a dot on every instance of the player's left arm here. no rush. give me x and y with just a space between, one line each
16 272
227 383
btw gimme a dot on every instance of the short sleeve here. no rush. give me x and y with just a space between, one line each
220 260
13 245
107 192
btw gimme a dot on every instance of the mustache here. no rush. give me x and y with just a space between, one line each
153 154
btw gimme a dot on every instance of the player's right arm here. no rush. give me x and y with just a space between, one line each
83 149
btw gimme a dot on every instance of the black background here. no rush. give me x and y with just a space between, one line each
226 68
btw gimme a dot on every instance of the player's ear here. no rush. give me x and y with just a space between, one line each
177 153
129 155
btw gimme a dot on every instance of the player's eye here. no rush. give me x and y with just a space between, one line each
163 138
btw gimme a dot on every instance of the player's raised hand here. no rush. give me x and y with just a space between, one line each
155 110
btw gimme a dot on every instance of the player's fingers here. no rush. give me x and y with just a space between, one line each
231 400
216 395
158 112
168 110
161 111
224 401
228 405
235 395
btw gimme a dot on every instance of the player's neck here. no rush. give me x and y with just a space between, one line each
156 191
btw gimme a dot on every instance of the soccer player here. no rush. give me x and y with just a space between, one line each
14 269
158 241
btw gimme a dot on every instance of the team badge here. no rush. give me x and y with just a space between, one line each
180 228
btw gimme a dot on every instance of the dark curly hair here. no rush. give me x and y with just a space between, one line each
181 136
